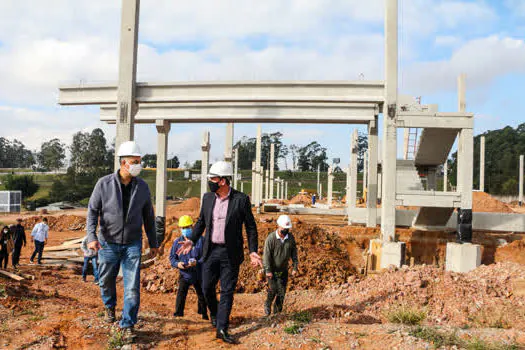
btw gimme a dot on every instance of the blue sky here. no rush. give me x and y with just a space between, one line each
44 44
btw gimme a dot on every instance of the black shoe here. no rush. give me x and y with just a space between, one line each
214 321
267 310
84 279
223 335
128 335
205 317
109 315
178 314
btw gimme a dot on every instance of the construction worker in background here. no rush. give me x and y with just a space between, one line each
313 199
190 269
6 245
279 248
122 203
19 238
224 210
39 235
90 256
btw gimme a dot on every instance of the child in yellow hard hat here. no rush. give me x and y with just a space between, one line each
190 269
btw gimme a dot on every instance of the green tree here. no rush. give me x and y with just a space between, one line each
52 155
246 148
149 160
14 154
24 183
197 165
174 162
311 156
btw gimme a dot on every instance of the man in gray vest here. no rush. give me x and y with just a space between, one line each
121 202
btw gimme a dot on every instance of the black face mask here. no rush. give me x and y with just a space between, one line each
214 186
285 231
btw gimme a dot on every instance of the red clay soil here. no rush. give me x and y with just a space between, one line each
484 202
513 252
59 223
305 199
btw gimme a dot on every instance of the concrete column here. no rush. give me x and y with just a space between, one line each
465 171
254 185
272 168
318 179
286 190
126 104
482 164
228 150
267 194
320 190
432 180
236 168
461 108
365 171
347 188
261 185
380 186
277 193
371 197
351 200
281 191
388 204
520 196
445 176
205 146
242 187
258 145
163 129
330 187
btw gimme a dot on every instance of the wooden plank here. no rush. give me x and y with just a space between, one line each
148 263
27 276
73 241
11 275
62 247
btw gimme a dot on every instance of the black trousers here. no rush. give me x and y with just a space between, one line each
276 290
218 267
16 254
39 248
4 256
182 293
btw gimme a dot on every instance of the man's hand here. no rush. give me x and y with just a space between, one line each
153 252
269 275
161 251
294 272
95 245
181 266
185 246
256 259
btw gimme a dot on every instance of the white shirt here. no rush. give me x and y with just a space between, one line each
39 232
279 237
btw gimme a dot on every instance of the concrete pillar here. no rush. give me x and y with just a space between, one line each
445 176
267 194
465 170
320 190
272 168
228 150
330 187
261 185
520 196
254 185
351 199
365 171
205 146
242 187
461 108
282 189
347 188
482 164
388 202
126 104
258 166
371 197
163 129
277 193
286 190
236 168
318 180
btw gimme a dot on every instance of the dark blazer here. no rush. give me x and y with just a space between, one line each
239 213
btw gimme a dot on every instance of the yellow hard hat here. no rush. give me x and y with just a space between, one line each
185 221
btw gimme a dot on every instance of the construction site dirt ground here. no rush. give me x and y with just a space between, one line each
330 305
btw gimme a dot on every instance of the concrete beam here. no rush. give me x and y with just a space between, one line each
124 94
482 164
205 162
372 193
161 185
429 199
250 112
229 91
440 120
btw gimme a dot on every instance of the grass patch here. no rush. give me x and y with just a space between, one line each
115 340
493 319
406 315
100 314
293 329
36 318
302 317
27 312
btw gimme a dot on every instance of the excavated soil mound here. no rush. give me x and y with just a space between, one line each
483 296
323 263
189 207
58 223
305 199
484 202
513 252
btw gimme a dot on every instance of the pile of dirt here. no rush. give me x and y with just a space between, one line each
59 223
483 296
323 263
513 252
189 207
484 202
305 199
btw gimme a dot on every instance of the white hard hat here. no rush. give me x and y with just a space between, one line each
129 148
221 169
284 221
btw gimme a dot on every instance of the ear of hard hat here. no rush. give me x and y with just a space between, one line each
221 169
129 149
284 221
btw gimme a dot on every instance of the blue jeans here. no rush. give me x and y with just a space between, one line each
93 260
111 257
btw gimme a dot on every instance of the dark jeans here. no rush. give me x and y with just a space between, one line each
16 254
184 286
87 260
111 258
4 256
218 267
39 248
276 290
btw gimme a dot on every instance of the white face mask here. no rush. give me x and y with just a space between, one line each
134 169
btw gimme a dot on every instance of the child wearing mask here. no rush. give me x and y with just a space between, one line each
190 269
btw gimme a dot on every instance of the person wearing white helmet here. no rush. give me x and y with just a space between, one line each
279 248
121 203
224 211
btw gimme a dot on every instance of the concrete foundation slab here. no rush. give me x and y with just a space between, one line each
392 253
462 257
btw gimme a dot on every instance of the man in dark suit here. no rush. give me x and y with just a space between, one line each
223 212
